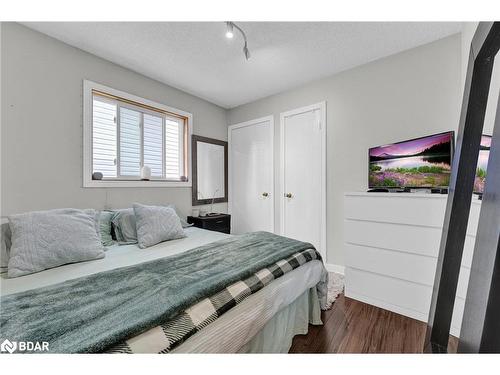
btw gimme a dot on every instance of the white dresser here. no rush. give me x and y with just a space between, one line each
391 248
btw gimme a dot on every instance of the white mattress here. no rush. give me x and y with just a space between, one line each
228 333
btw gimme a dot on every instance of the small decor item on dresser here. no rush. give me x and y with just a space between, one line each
215 222
195 212
145 173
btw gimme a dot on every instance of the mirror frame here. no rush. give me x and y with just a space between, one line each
194 154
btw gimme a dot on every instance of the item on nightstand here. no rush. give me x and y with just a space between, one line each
97 176
212 203
202 212
145 173
195 213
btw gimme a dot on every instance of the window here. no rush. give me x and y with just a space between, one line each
123 133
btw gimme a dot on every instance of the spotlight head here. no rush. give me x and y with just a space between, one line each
229 30
246 52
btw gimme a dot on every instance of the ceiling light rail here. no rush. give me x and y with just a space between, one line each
230 26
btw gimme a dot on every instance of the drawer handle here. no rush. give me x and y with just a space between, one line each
219 222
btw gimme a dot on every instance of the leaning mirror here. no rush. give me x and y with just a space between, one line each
209 170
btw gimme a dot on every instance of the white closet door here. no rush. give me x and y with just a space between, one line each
303 173
251 176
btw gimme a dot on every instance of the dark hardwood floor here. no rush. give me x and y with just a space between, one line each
356 327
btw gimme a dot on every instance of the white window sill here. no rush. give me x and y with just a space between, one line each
132 184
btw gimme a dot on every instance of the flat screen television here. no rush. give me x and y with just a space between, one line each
482 164
417 163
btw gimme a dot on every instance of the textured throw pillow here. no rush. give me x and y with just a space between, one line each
47 239
124 226
105 227
5 247
156 224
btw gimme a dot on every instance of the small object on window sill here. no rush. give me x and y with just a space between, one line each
145 173
97 176
184 178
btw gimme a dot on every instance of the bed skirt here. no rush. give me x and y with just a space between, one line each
277 334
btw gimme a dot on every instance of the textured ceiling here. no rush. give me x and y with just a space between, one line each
197 58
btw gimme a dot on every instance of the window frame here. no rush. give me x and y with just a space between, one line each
88 90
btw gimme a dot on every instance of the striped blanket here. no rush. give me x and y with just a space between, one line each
198 316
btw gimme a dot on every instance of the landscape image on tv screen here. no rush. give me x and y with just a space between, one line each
419 163
482 164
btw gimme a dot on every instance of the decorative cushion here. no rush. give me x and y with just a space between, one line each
5 246
124 226
105 227
47 239
156 224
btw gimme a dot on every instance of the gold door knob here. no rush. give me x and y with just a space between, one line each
265 194
288 195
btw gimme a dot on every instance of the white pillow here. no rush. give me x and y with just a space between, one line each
156 224
47 239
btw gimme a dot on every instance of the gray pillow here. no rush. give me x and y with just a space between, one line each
47 239
156 224
5 246
105 227
124 225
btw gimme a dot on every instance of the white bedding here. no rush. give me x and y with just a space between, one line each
116 256
227 334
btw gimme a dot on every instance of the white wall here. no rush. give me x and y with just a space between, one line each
469 28
403 96
41 155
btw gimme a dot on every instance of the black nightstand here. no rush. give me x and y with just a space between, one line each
217 223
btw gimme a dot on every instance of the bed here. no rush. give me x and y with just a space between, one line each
264 321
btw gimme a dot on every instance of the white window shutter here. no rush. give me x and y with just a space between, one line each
104 148
130 142
153 144
173 149
127 136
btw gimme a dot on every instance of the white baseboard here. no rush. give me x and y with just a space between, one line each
335 268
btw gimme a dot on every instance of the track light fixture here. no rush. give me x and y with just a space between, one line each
229 30
230 26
